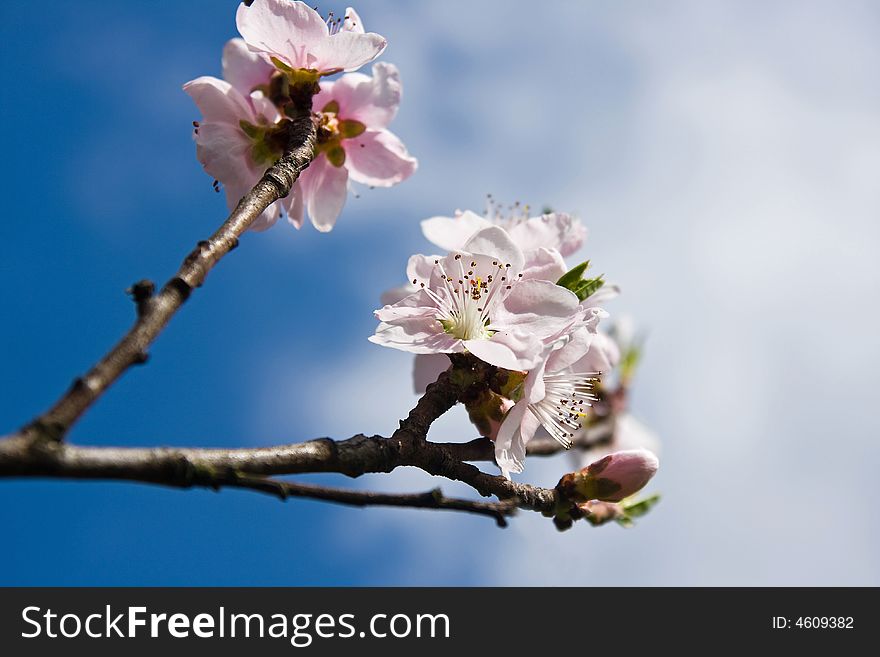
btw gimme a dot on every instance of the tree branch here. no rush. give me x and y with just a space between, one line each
155 311
432 499
21 456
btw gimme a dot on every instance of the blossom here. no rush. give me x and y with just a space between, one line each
612 478
544 239
353 143
554 396
294 36
236 140
475 300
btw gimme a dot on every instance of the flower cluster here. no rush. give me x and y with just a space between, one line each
504 294
285 52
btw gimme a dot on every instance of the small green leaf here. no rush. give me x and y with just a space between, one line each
638 508
569 279
574 280
588 287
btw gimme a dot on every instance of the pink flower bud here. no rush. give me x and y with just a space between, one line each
611 478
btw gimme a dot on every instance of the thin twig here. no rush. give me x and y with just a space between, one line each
432 499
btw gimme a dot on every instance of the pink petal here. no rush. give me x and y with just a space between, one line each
243 68
510 449
539 307
224 151
371 100
218 101
378 159
418 336
295 206
347 51
544 264
451 233
556 230
417 304
284 29
574 349
496 242
512 350
395 294
325 188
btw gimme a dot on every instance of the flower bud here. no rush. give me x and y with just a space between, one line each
611 478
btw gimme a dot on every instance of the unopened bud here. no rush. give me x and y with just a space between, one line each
611 478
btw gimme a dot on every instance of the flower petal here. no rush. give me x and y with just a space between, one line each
346 51
378 158
538 307
280 28
243 68
510 449
556 230
575 348
544 264
495 242
512 350
417 304
371 100
218 101
352 22
417 336
451 233
224 151
325 188
295 206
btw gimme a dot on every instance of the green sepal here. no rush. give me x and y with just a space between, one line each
350 128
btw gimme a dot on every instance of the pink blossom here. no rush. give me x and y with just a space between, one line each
231 155
295 36
555 396
353 143
544 239
474 300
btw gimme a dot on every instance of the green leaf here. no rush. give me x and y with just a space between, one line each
574 280
636 509
569 279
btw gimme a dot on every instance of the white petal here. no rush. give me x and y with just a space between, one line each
451 233
495 242
346 51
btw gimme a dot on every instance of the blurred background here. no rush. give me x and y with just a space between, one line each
724 155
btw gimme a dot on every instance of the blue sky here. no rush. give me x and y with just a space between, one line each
723 155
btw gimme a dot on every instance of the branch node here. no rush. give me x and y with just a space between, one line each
180 286
142 294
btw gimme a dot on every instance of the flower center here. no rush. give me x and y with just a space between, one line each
563 408
467 297
332 130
